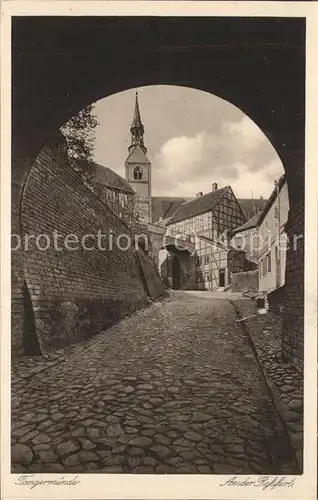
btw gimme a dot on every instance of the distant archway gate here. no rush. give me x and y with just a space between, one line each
256 64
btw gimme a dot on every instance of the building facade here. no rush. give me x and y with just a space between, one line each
273 239
165 206
138 168
245 238
113 190
264 240
208 220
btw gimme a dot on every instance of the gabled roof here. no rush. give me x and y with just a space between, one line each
258 218
165 206
272 197
252 222
163 222
198 205
137 155
251 206
107 177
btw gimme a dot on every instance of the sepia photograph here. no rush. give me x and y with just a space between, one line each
157 248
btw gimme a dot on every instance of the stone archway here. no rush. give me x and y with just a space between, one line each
54 77
176 271
30 340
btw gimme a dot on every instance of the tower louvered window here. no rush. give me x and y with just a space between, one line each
137 173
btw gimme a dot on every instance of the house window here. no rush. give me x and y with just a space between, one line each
263 267
276 254
238 242
266 264
198 261
206 259
269 263
137 173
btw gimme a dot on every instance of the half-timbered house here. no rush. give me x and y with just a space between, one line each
209 220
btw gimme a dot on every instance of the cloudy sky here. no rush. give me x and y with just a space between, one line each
193 139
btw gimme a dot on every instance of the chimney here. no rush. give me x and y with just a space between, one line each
199 194
214 186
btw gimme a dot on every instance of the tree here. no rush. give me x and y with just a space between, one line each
79 133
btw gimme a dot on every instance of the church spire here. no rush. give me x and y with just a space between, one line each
136 120
137 129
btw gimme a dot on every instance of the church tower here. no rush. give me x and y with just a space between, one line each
138 168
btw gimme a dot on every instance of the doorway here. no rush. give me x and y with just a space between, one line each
222 277
176 270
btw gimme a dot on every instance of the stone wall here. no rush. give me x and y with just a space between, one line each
245 281
276 300
66 295
20 167
17 278
150 275
293 323
156 234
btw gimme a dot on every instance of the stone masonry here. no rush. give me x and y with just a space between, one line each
184 394
293 329
62 296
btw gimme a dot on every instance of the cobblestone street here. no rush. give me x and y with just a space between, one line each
175 388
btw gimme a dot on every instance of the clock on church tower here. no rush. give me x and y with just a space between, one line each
138 168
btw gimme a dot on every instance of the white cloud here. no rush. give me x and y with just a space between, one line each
193 139
180 156
257 183
244 133
238 154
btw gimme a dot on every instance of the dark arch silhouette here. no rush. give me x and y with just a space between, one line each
257 64
176 273
30 341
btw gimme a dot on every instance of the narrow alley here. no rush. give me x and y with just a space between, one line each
174 388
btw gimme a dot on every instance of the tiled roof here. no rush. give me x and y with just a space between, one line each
137 156
165 206
272 197
198 205
263 209
249 224
163 222
107 177
251 206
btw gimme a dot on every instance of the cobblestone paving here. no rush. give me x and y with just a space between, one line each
285 382
174 388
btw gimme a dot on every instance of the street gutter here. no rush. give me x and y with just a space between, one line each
274 398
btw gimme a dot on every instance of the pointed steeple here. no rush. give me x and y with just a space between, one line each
136 120
137 129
